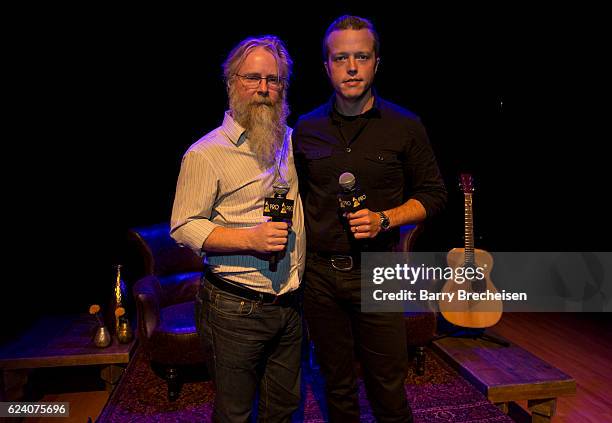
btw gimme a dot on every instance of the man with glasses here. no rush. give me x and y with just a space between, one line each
386 148
247 315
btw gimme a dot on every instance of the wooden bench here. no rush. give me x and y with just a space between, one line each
505 374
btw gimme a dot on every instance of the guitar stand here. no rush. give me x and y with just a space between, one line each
473 334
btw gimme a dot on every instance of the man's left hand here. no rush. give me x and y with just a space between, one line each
364 223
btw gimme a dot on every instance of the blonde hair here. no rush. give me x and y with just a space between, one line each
271 44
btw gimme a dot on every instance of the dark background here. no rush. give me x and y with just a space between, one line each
109 100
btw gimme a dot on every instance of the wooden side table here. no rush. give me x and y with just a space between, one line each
505 374
56 341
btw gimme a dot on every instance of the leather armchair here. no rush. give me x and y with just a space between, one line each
165 303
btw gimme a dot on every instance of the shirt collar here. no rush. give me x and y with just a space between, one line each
335 116
232 129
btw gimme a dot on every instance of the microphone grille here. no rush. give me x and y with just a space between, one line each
347 181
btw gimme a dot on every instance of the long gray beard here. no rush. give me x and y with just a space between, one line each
264 122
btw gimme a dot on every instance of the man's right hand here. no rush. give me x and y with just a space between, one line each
269 237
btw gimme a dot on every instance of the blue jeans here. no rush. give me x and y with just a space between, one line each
253 347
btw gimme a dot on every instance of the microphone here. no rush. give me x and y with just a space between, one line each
279 208
350 197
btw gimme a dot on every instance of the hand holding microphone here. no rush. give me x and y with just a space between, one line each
280 209
268 237
363 223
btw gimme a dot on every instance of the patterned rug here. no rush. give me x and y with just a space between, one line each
440 396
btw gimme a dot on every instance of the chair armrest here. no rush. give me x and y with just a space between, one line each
148 297
408 236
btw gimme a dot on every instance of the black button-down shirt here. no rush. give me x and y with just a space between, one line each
387 150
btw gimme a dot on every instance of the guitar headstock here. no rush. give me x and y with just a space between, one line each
467 183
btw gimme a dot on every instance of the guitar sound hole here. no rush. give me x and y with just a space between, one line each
476 283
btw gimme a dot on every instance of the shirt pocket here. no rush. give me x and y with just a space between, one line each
320 164
383 168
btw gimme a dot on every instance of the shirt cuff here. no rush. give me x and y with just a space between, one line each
194 233
428 204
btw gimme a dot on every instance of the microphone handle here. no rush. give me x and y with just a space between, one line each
273 266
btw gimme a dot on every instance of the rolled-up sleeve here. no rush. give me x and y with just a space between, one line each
196 193
427 183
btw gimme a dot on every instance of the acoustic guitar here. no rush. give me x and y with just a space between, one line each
470 313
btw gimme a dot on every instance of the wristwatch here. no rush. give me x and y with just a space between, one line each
384 221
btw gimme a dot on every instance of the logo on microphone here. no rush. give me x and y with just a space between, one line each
279 208
351 202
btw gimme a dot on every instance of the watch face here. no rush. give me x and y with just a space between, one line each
384 221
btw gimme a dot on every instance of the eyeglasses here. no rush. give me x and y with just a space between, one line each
252 81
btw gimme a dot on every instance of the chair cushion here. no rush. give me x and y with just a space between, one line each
177 318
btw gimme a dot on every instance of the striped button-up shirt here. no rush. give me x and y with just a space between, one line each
221 183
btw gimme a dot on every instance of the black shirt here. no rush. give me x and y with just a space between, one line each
387 150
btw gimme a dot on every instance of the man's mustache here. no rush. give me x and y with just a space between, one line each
262 101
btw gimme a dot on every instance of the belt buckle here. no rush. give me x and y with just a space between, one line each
335 259
264 299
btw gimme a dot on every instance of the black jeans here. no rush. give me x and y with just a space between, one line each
253 346
332 306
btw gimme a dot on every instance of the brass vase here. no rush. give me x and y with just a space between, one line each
124 333
102 338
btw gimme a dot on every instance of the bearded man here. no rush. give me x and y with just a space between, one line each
248 316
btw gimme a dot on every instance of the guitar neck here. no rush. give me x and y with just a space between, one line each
469 229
